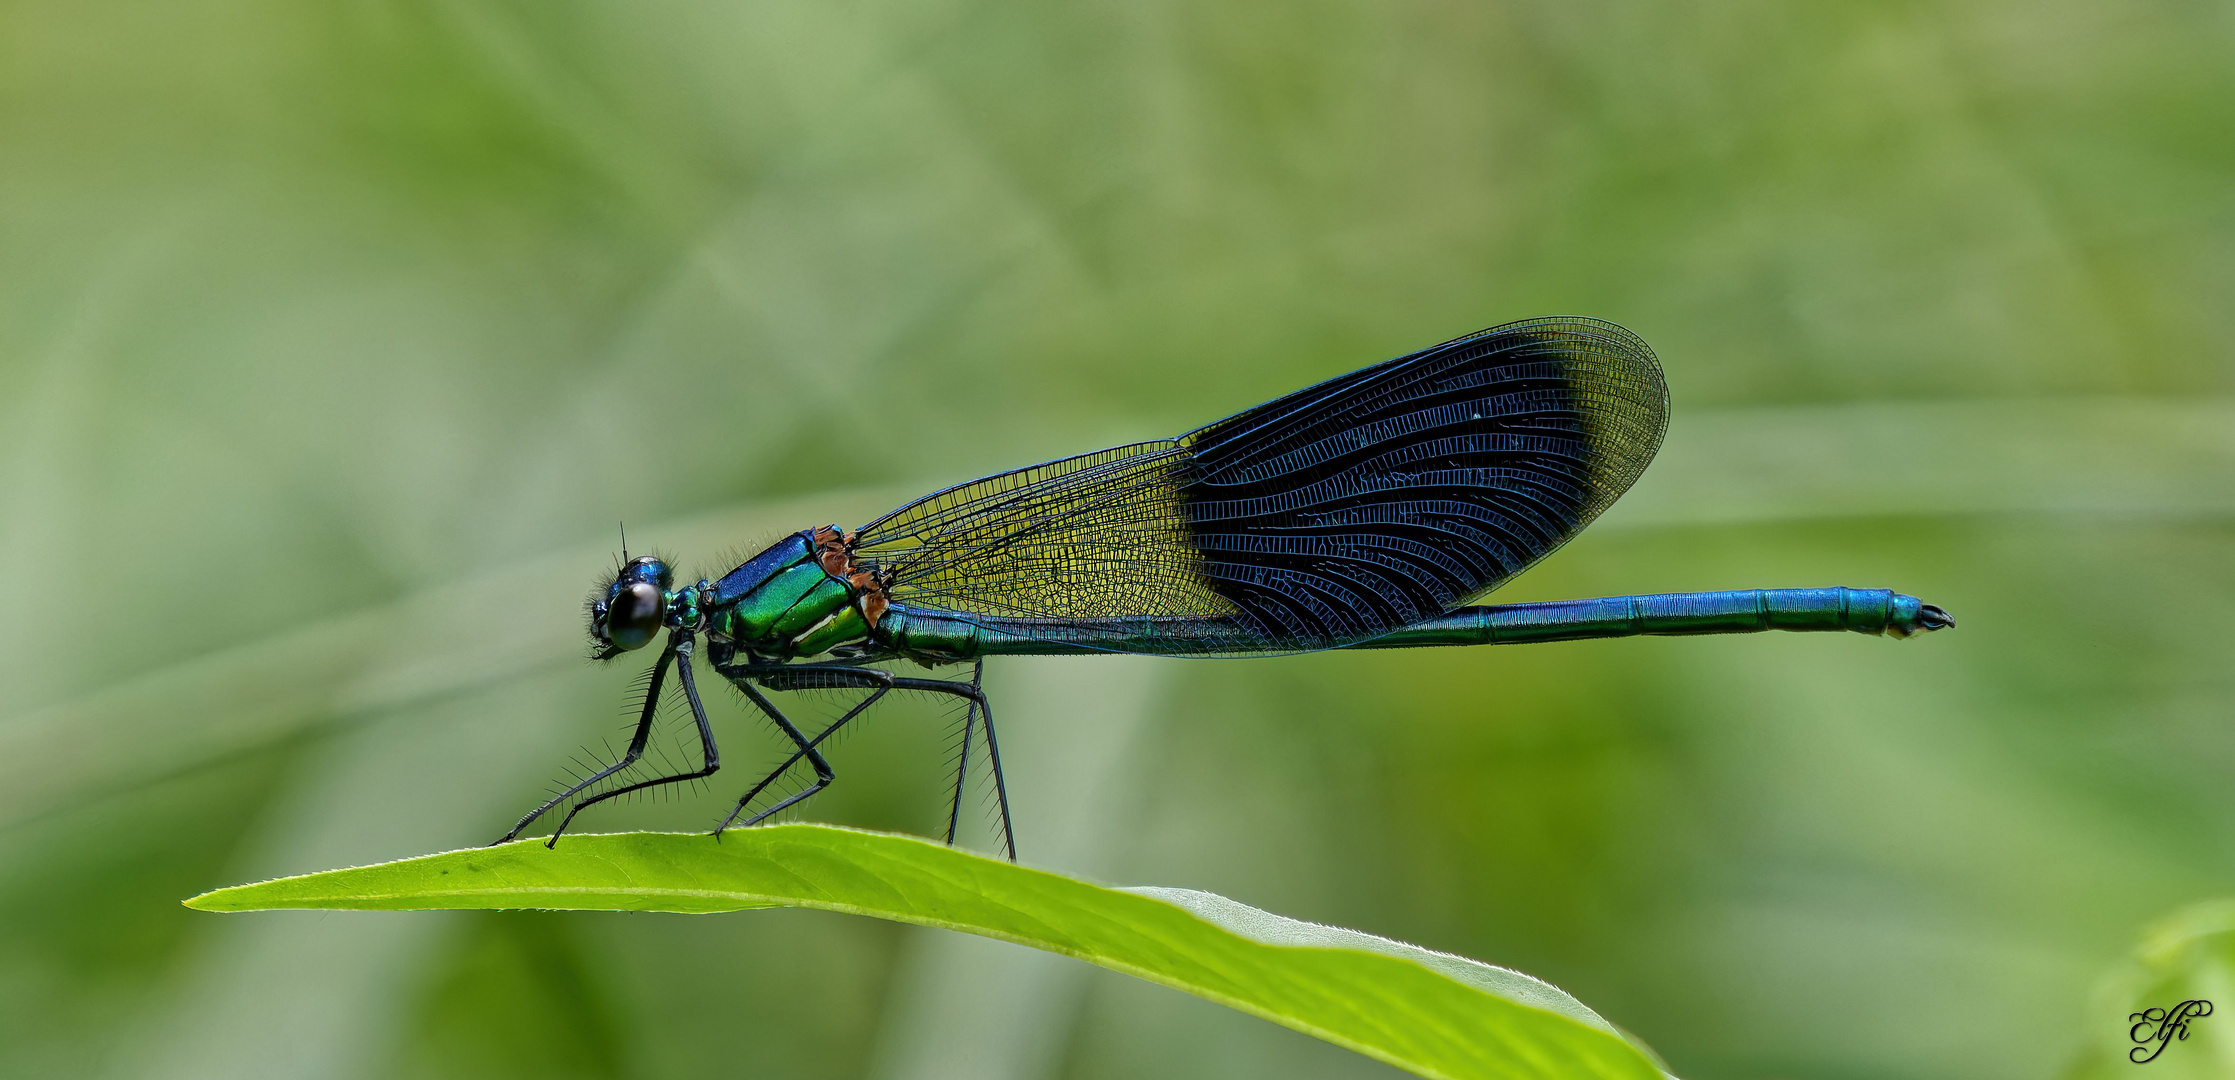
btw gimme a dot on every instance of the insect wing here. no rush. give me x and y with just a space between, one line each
1332 515
1082 540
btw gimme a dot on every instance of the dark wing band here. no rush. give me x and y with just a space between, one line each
1370 501
1332 515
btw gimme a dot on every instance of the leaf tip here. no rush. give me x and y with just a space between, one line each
225 899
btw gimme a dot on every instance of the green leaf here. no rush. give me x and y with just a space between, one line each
1431 1013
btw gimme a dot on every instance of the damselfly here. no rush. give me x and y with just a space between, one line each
1361 513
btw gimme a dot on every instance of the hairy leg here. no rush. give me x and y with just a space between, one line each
710 755
636 745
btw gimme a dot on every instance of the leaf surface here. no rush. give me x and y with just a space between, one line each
1431 1013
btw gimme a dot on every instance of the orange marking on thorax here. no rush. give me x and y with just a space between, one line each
835 551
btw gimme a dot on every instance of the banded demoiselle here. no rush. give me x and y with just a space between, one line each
1361 513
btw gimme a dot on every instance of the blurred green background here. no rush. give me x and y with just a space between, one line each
339 336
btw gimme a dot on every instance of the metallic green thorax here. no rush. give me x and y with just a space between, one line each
783 603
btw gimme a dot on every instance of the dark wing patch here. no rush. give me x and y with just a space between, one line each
1370 501
1332 515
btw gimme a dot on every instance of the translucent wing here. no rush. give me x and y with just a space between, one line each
1095 537
1332 515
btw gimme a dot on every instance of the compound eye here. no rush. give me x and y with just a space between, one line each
634 614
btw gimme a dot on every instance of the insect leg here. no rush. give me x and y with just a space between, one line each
880 682
962 760
740 676
977 698
711 755
636 744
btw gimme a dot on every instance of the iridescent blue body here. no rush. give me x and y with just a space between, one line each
782 604
938 636
1361 513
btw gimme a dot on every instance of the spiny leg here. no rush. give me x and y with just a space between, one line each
739 676
821 782
711 755
977 697
636 745
962 760
881 683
